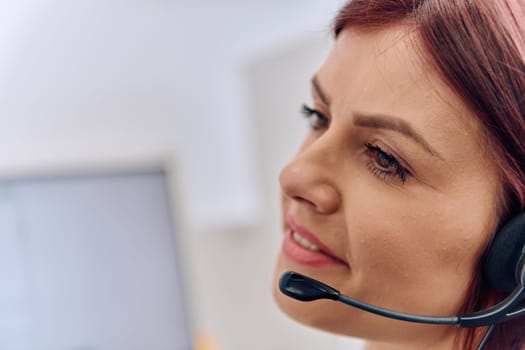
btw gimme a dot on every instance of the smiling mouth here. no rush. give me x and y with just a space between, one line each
304 242
303 251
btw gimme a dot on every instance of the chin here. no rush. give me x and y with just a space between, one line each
320 314
312 314
301 312
333 317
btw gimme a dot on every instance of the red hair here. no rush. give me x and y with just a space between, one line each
478 47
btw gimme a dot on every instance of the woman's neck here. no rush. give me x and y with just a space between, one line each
447 343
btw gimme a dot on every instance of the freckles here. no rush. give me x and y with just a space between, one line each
451 255
385 249
452 249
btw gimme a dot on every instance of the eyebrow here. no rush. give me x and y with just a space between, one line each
381 121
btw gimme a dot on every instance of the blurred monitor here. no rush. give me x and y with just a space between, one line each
89 262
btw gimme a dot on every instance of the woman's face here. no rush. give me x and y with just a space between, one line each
391 198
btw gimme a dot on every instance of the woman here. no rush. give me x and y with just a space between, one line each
414 159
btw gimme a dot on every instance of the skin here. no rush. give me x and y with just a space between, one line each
411 246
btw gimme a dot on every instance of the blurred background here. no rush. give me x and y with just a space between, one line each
141 146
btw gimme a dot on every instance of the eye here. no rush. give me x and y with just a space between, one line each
315 118
385 165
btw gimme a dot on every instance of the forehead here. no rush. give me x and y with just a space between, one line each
384 72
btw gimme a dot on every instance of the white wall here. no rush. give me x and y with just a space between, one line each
108 81
98 80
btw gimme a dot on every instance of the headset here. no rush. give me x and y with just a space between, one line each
503 268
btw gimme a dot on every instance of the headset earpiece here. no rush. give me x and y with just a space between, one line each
520 268
504 263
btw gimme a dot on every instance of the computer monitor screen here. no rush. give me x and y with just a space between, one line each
89 262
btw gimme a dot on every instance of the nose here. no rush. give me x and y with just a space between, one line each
310 178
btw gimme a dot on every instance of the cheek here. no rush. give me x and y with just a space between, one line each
420 249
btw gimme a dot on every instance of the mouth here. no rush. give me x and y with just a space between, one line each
305 248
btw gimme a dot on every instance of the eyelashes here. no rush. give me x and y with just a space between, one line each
384 165
381 164
316 119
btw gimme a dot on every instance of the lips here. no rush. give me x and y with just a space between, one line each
305 248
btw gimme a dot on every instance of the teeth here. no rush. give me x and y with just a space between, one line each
304 242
